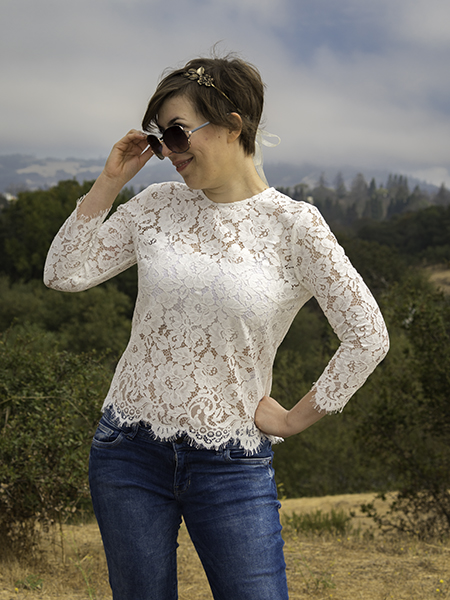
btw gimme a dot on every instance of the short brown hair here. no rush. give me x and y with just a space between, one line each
236 78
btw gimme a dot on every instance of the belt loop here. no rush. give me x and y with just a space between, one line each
134 428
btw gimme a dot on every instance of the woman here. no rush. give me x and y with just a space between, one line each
224 264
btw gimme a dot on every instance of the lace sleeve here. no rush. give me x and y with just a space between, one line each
324 269
87 251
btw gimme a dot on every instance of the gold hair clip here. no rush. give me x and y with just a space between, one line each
203 78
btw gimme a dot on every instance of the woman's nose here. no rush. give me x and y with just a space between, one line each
165 150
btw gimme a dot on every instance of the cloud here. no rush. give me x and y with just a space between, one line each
364 110
348 83
434 175
424 23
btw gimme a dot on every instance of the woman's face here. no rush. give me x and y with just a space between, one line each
211 159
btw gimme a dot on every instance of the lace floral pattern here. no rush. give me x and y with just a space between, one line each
219 286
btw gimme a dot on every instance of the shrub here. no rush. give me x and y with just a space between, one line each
405 420
49 405
336 522
95 319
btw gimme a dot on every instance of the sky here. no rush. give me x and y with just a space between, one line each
353 83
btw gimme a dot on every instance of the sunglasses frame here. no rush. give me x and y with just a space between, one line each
188 134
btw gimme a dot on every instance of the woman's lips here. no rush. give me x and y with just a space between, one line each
182 164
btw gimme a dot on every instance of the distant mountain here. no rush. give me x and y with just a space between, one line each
19 172
22 172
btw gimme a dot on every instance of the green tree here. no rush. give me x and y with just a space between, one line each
374 208
339 186
96 319
442 198
300 192
418 200
415 235
29 224
321 460
380 266
49 406
404 414
358 195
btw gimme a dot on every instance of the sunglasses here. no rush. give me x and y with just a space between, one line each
175 138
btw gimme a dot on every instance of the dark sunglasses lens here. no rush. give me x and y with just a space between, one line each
175 139
155 145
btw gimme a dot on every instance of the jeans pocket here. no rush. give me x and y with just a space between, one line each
263 456
107 435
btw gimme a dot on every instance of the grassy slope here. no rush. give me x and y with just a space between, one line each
359 566
440 276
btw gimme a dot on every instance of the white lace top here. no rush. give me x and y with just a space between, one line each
219 286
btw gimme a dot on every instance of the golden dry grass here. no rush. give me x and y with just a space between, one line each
439 275
359 566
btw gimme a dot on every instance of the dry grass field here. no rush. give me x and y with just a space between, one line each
440 276
362 565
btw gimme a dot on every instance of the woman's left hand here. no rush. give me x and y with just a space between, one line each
271 417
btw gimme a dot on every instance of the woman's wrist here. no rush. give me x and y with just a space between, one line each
101 196
302 415
108 185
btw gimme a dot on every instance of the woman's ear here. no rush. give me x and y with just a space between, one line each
235 131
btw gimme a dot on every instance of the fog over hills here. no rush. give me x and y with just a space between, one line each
20 172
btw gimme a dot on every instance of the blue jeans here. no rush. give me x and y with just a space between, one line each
140 490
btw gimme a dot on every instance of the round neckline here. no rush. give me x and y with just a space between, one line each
236 202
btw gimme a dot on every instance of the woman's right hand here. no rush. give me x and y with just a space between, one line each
127 158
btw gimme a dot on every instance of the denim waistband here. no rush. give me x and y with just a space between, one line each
110 415
179 437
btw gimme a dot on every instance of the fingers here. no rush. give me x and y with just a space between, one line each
146 154
133 145
132 139
128 156
136 135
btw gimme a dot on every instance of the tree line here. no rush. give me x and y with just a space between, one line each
343 207
58 352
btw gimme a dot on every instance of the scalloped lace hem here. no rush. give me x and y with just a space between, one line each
249 439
